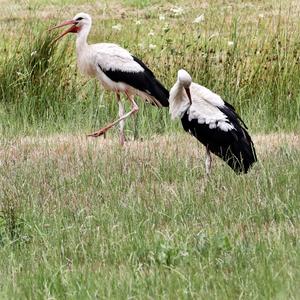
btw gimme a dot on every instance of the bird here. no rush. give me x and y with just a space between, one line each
213 122
117 70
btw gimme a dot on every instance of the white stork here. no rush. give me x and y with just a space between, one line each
213 122
116 69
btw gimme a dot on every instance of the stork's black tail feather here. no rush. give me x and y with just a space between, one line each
152 86
240 154
159 92
234 146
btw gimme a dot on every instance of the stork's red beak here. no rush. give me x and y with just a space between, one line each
189 94
73 28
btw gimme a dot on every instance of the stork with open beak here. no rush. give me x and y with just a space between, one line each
116 69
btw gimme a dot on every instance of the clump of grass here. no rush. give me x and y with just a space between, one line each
139 3
33 79
11 223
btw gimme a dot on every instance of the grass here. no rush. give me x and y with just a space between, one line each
87 220
232 52
83 218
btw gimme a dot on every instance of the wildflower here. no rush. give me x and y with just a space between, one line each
177 10
199 19
138 22
216 34
162 17
230 43
117 27
151 33
261 15
152 46
33 53
184 253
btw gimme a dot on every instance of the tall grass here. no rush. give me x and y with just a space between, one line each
40 87
253 64
90 220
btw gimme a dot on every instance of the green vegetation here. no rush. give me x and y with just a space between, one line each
248 55
84 220
87 219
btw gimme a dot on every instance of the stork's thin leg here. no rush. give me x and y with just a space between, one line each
135 130
208 161
134 109
122 122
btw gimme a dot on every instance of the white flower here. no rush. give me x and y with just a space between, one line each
138 22
199 19
184 253
117 27
230 43
152 46
216 34
151 33
141 45
162 17
261 15
33 53
177 10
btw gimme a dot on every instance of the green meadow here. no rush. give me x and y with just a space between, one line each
84 218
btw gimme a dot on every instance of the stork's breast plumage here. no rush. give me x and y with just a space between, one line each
86 64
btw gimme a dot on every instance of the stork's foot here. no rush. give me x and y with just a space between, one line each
98 133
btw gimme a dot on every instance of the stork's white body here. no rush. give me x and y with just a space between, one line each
205 106
108 56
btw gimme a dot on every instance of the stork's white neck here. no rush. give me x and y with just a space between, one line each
178 100
81 40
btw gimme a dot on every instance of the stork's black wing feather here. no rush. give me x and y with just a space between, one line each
144 81
234 146
143 65
230 112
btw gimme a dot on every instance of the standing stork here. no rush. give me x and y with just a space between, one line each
116 69
213 122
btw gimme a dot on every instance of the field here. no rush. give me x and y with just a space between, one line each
86 218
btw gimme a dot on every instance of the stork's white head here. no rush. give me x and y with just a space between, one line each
82 19
81 22
185 80
180 96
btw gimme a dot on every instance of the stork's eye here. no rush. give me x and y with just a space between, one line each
79 19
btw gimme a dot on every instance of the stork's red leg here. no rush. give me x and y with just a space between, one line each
122 122
208 161
134 109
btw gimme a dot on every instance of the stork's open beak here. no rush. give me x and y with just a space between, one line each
189 95
73 28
